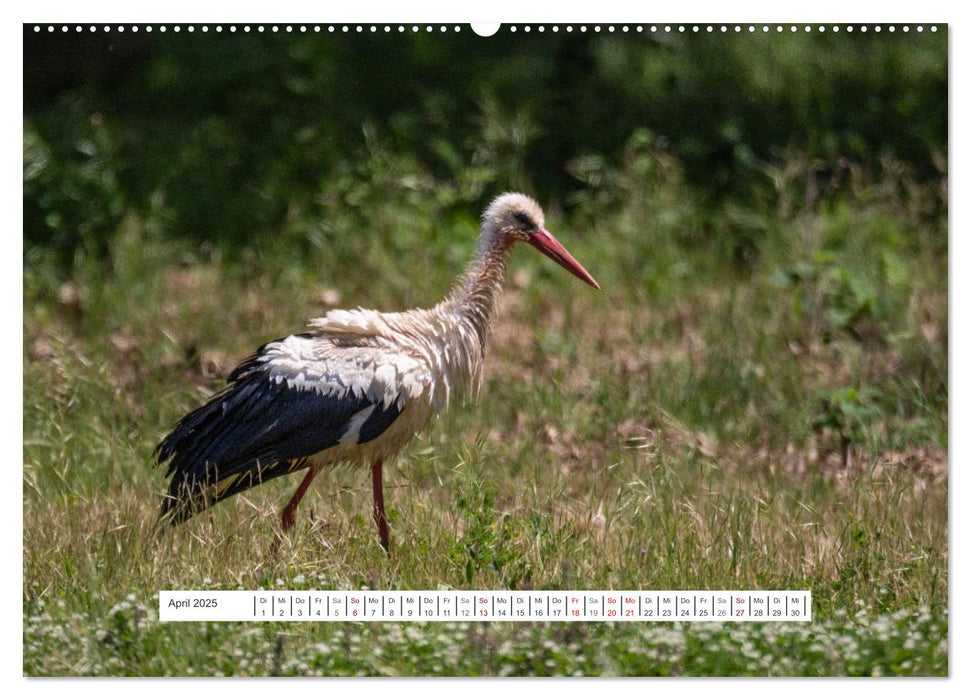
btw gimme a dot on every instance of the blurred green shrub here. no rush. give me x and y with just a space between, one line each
850 413
829 296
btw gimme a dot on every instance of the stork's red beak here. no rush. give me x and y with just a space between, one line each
543 241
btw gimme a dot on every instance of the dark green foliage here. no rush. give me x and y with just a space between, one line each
229 137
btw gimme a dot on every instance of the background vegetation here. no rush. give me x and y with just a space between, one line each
757 399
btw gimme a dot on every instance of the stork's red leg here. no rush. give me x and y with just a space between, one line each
380 517
286 518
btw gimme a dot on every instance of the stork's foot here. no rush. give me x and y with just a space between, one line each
380 516
286 522
288 516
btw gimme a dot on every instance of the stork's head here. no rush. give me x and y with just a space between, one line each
516 217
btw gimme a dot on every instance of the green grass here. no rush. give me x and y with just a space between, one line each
756 400
130 638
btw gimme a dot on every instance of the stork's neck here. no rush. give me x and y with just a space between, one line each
454 333
475 296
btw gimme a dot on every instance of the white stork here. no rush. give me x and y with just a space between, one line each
355 386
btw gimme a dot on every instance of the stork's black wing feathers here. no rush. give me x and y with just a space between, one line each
257 429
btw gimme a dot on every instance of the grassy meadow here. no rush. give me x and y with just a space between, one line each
757 399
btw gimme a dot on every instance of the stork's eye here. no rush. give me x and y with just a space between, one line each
525 221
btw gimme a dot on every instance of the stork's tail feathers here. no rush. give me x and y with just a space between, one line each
207 464
191 495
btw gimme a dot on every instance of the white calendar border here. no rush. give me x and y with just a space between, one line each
485 606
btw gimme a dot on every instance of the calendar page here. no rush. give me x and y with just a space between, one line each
536 348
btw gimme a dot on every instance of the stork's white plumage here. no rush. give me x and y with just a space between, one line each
355 386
